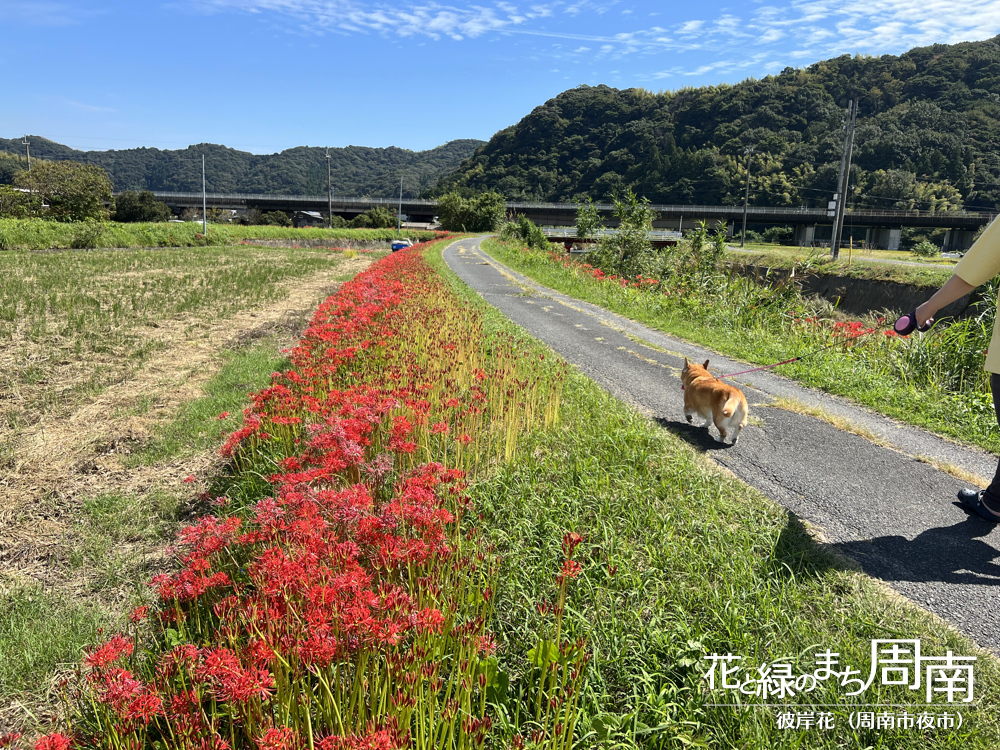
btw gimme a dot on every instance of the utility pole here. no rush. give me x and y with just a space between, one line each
329 188
749 151
27 150
844 178
399 214
204 200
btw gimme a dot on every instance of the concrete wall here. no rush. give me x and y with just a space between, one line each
860 296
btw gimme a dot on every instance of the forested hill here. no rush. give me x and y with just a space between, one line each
928 137
357 170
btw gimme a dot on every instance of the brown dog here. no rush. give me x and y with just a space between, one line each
715 401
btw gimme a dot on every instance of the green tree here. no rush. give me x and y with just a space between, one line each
132 207
10 165
71 191
631 238
588 220
275 218
378 217
627 251
522 229
16 204
484 212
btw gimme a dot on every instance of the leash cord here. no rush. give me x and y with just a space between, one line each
884 324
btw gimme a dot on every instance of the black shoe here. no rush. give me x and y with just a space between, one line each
973 500
969 496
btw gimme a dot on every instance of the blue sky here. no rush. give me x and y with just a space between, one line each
265 75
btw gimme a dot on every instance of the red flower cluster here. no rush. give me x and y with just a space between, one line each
348 610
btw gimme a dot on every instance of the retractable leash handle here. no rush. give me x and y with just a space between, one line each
907 324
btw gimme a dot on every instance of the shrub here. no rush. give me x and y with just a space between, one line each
378 217
925 249
481 213
72 191
779 235
130 207
523 230
275 218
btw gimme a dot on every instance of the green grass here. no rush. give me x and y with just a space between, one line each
871 374
681 561
39 234
932 274
199 424
113 538
41 633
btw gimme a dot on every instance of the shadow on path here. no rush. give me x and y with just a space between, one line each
949 554
694 434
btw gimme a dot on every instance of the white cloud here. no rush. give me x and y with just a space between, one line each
790 29
42 13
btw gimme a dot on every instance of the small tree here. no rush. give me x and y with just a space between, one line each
630 242
130 207
522 229
588 220
72 191
926 249
378 217
481 213
15 204
275 218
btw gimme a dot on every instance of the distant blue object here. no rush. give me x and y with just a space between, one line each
401 245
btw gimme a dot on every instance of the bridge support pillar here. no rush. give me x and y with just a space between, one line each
805 235
958 240
884 238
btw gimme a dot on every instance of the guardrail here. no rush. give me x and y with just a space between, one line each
570 232
692 210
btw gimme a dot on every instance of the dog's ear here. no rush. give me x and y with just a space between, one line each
706 364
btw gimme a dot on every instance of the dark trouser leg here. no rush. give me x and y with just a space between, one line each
991 498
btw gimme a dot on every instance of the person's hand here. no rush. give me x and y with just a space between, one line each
908 323
925 316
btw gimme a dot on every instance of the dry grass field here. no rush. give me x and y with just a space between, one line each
111 363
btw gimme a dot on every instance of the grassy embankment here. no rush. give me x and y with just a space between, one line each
92 496
684 561
37 234
679 561
931 272
908 380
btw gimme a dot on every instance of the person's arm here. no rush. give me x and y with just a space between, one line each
954 289
978 266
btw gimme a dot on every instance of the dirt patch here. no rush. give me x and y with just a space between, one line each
62 458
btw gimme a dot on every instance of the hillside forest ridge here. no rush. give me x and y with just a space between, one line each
927 138
357 171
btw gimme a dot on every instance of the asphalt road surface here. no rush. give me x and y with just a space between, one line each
897 516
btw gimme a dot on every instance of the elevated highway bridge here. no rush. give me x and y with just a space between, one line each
879 228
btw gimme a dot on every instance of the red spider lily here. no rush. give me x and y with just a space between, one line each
355 579
53 741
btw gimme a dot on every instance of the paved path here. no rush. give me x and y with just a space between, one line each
895 515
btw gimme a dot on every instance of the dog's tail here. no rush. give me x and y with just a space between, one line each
730 406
